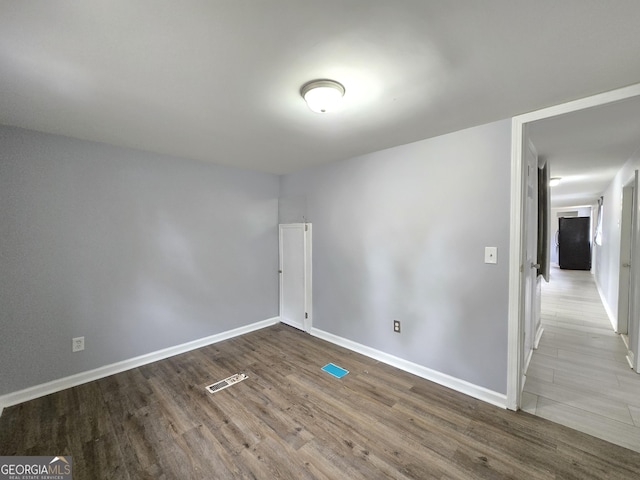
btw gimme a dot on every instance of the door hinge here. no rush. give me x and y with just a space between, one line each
306 315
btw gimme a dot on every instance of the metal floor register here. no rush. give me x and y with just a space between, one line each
227 382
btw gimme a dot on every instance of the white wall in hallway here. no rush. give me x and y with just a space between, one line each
607 257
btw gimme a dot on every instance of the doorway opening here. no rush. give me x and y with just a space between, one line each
295 275
518 266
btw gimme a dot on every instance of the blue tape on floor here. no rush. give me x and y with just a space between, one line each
335 370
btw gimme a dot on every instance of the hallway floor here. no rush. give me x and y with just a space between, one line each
579 376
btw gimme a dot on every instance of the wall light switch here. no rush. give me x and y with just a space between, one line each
490 254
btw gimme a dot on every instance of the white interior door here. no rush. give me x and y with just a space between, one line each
634 291
295 275
531 248
625 259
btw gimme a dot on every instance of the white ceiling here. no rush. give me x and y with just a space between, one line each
587 148
219 80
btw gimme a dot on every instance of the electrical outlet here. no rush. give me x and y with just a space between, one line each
396 326
77 344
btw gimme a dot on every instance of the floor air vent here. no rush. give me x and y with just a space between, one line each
227 382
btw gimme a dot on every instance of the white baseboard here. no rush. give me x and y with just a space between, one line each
527 361
612 318
630 360
84 377
462 386
529 356
625 340
536 341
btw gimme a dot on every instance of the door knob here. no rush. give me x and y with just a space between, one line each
535 265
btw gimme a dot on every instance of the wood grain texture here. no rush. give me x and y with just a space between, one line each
291 420
579 375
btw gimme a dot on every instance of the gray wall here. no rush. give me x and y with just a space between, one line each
400 234
135 251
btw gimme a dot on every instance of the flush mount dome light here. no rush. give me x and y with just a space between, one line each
555 181
322 95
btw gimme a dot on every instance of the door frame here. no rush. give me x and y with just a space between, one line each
633 348
626 247
530 243
308 265
519 137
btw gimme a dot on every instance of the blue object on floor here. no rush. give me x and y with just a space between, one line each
335 370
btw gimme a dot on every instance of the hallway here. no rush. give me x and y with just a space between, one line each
579 376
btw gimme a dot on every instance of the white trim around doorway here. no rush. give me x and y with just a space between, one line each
515 367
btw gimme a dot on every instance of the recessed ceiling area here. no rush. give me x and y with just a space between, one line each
587 148
220 81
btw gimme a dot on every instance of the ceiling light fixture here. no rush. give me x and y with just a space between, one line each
322 95
555 181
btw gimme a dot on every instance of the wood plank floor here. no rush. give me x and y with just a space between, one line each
291 420
579 375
